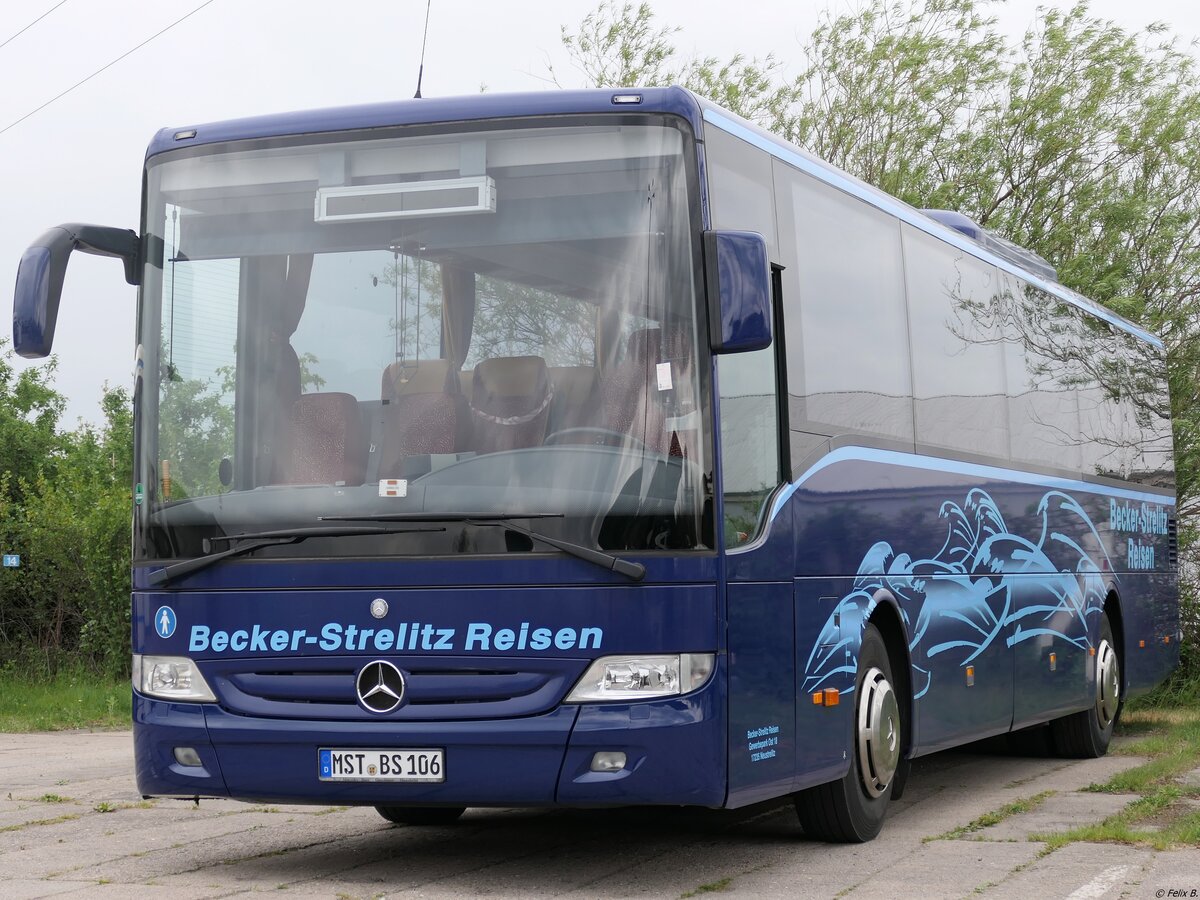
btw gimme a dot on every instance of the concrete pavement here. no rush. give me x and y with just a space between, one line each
72 825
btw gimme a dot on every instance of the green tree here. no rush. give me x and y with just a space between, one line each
29 412
1080 142
65 508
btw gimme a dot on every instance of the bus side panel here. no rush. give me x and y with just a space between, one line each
962 665
1150 619
762 699
994 570
1053 675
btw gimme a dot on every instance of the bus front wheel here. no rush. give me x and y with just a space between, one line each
851 809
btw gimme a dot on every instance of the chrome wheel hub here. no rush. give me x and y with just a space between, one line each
878 732
1108 684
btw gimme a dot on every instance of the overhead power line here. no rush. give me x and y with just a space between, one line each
84 81
34 22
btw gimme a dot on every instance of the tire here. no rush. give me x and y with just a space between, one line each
421 815
1086 734
851 809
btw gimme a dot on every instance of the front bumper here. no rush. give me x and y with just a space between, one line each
675 750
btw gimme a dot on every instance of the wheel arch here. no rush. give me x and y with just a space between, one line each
889 619
1112 607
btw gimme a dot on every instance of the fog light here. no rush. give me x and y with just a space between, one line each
186 756
608 761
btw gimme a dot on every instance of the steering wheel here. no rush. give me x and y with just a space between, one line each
604 437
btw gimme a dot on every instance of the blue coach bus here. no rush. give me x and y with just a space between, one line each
597 448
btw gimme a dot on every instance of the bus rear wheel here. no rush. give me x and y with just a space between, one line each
851 809
421 815
1086 734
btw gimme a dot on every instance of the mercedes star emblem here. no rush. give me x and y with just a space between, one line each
380 686
379 607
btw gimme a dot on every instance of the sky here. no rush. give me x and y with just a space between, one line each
79 159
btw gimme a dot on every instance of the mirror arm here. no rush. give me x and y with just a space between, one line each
101 240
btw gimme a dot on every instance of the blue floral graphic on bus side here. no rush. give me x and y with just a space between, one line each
967 595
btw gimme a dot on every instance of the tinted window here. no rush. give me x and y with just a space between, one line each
1123 408
1042 368
846 334
959 394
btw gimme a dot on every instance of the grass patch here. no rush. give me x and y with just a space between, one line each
54 798
66 700
1025 804
1163 816
1156 820
1171 738
712 887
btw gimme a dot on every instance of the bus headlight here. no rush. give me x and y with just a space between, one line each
617 678
170 678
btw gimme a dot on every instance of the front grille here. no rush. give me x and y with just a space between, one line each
435 689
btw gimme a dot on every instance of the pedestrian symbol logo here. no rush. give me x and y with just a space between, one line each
164 621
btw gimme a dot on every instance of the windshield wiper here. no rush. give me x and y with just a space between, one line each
260 539
633 570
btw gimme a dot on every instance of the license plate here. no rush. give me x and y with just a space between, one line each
381 765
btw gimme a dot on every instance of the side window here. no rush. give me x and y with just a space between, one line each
741 197
1152 413
1123 407
846 334
959 395
1042 371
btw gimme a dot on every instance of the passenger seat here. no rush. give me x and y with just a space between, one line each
423 413
510 403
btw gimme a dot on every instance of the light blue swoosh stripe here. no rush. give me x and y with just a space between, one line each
957 467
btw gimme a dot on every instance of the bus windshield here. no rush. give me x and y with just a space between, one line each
424 322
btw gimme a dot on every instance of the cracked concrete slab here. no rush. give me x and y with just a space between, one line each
947 869
1059 812
1079 872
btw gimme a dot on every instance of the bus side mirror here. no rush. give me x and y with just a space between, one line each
40 278
738 278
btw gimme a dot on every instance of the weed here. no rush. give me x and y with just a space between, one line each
55 821
1026 804
712 887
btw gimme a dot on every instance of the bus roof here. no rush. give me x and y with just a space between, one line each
430 110
670 100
